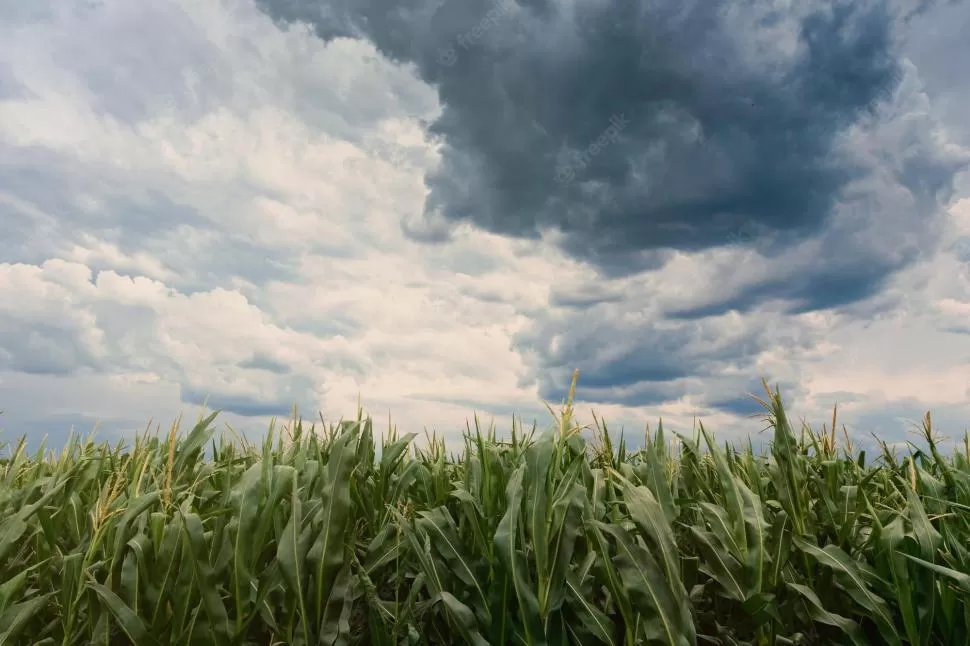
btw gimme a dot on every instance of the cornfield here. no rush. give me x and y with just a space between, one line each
336 536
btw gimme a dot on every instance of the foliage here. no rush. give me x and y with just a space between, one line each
340 537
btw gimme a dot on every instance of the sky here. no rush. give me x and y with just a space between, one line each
438 208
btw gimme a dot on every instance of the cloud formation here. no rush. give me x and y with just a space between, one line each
791 144
635 129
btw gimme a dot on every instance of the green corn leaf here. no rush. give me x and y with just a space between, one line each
662 618
328 553
849 573
509 553
205 577
127 619
818 613
961 579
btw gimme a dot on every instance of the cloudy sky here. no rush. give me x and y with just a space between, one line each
444 206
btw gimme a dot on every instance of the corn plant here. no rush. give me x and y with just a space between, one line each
337 534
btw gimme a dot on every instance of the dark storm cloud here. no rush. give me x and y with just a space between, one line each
632 365
638 128
242 405
742 397
741 406
644 393
583 296
828 286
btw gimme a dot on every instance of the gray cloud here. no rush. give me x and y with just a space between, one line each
635 130
245 405
834 285
936 42
128 80
30 172
97 205
262 362
642 360
732 121
924 6
44 347
900 421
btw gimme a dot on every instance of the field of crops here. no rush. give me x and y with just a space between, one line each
351 536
